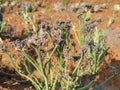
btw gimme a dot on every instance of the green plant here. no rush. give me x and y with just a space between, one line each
2 1
116 7
28 21
52 64
64 2
2 26
116 11
28 7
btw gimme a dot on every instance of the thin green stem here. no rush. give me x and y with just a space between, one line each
86 87
78 64
42 69
20 72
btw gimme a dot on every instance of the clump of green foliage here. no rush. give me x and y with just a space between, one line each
52 63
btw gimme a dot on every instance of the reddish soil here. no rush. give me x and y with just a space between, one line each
112 36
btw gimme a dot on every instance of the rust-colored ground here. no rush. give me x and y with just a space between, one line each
112 35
